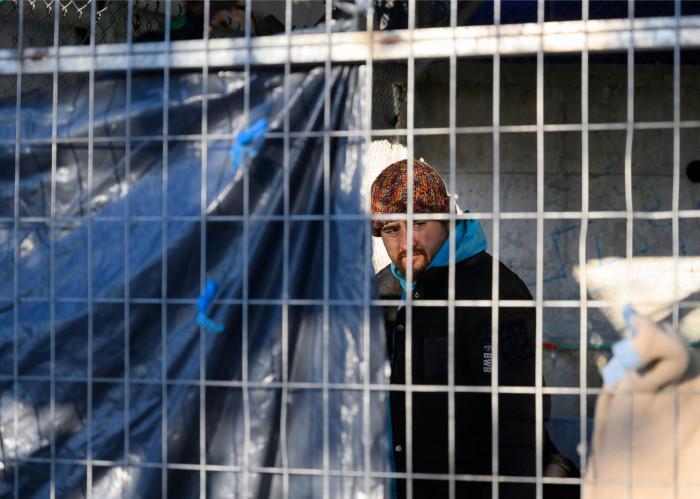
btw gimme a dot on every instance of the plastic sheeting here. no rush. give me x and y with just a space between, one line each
99 313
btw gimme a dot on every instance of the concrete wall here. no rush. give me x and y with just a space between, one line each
652 177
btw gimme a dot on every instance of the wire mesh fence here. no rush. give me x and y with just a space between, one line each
155 145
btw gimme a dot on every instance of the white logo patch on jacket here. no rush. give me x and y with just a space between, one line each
487 359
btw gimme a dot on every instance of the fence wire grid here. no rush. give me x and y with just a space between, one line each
569 129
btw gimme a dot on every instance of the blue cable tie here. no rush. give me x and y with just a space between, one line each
203 303
248 143
209 324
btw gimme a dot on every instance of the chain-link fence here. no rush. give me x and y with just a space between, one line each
227 18
46 23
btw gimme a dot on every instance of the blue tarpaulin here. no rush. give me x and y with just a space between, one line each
106 379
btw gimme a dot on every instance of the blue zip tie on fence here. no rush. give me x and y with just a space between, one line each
248 143
203 303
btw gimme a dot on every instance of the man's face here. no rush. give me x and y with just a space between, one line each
428 238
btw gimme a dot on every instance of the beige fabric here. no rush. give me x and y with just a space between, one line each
653 410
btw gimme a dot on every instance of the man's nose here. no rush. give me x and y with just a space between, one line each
403 236
415 240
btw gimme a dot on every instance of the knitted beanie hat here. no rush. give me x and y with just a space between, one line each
390 186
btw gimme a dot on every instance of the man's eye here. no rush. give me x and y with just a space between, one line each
387 230
419 223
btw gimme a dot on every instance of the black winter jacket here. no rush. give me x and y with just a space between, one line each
472 367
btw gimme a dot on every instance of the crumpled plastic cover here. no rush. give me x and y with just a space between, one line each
134 399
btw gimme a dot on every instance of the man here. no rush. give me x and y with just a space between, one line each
473 360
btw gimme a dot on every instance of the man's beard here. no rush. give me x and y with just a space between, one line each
416 272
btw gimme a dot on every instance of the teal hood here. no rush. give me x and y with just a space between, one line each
469 240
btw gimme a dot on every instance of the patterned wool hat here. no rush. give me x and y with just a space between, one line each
389 192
